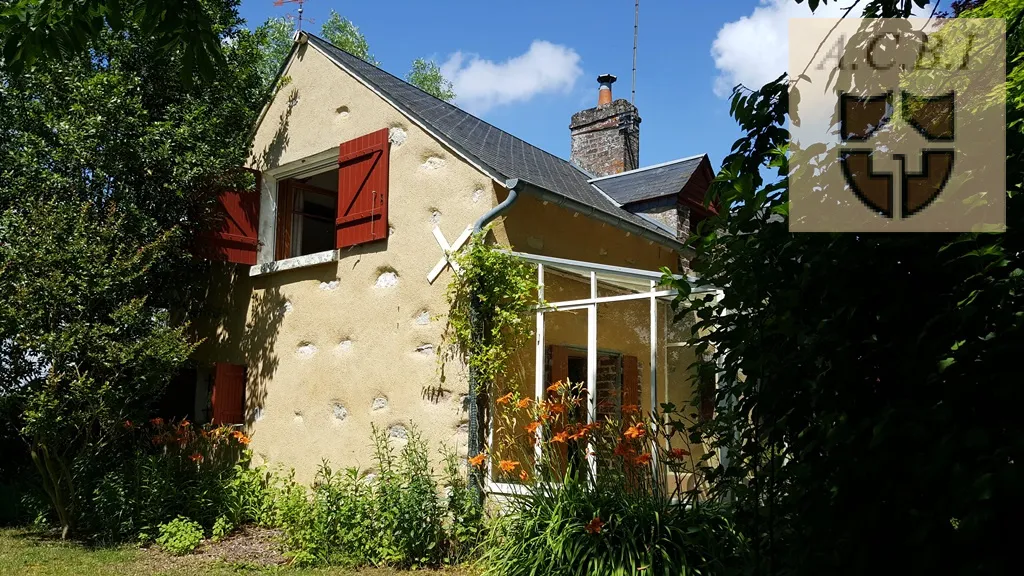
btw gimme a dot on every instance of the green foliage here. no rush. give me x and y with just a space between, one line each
629 518
426 75
221 528
108 167
465 522
499 290
275 37
345 35
867 382
34 30
180 536
394 517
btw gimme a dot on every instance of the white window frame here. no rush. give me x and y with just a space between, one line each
301 168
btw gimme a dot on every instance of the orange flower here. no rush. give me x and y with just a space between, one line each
532 427
678 453
128 424
523 475
561 437
524 403
157 421
554 387
504 399
635 431
242 438
478 460
594 526
624 450
630 409
556 408
185 423
508 465
642 459
196 457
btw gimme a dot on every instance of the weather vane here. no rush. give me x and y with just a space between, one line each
299 2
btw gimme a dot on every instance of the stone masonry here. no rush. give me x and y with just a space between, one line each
606 139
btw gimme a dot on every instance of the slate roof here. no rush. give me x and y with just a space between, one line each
649 183
493 149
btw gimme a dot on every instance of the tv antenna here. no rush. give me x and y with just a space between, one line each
300 3
636 27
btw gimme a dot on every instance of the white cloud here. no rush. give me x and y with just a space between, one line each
483 84
754 49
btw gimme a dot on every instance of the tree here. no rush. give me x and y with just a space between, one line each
868 383
426 75
345 35
276 41
34 30
110 165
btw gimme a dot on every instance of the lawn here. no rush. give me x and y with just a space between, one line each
26 553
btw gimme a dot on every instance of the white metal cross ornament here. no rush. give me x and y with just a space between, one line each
448 251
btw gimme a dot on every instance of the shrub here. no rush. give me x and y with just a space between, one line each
626 519
394 517
221 528
163 470
180 536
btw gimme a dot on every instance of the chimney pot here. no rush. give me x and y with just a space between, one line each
604 92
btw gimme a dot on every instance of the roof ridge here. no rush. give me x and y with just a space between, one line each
449 104
651 167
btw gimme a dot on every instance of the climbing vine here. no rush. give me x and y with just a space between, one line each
500 289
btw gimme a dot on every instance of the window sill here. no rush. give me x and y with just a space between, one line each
314 259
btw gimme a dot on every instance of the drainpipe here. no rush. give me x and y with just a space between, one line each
514 185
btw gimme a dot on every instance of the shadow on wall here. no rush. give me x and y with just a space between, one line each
271 155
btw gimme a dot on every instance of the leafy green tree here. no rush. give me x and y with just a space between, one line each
276 38
345 35
426 75
868 398
39 29
109 166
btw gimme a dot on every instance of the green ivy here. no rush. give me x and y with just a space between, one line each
501 290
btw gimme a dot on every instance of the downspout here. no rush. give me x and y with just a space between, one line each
514 185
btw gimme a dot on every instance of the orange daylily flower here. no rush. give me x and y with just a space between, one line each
624 450
678 453
595 525
524 403
642 459
242 438
560 437
478 460
556 408
508 465
635 431
157 421
523 475
532 427
128 424
196 457
185 423
505 399
554 387
630 409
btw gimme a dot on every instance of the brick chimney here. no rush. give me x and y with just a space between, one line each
606 138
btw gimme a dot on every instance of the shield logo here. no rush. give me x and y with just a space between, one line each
862 117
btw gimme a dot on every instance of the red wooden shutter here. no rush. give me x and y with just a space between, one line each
228 394
285 209
363 189
235 236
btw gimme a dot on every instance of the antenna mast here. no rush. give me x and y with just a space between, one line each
636 26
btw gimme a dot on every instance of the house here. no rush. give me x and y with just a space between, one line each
327 313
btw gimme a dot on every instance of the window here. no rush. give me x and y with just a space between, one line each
307 210
336 208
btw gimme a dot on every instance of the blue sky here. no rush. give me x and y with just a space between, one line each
527 66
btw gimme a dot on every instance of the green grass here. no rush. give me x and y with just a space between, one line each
26 553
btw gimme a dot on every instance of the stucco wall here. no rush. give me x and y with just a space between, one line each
334 348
